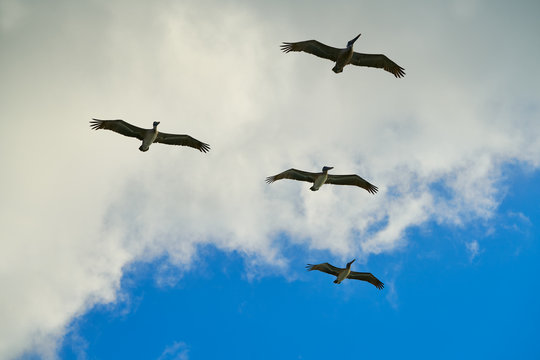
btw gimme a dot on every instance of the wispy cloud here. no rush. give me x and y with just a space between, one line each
176 351
474 249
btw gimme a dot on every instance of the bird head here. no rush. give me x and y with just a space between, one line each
326 168
156 123
351 42
350 263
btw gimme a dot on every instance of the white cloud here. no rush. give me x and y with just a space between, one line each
474 249
79 206
176 351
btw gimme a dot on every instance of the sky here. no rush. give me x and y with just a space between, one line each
107 252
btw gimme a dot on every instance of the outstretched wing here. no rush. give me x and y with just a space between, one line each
183 140
324 267
293 174
312 47
378 61
119 126
351 180
365 276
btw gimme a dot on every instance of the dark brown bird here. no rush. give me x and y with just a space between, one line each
321 178
343 57
342 274
148 136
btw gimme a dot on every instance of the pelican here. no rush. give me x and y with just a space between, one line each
148 136
345 56
319 179
342 274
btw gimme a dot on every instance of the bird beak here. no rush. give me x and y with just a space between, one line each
356 38
353 260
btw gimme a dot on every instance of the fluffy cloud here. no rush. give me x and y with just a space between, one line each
78 206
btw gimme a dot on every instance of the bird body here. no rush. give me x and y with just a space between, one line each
342 274
148 136
343 59
321 178
346 273
346 56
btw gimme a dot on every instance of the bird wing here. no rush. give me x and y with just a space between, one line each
119 126
312 47
184 140
324 267
351 180
365 276
378 61
293 174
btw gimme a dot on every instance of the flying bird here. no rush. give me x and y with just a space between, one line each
148 136
319 179
342 274
343 57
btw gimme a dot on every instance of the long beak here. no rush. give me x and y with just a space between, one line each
356 38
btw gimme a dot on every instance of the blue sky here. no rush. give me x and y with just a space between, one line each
107 252
441 304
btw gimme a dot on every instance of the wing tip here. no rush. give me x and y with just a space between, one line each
399 72
286 47
270 179
204 148
96 124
